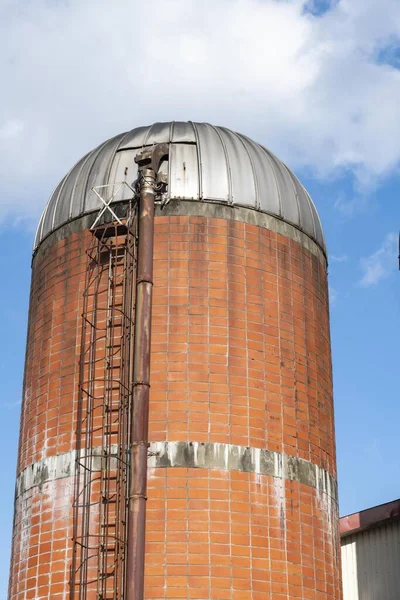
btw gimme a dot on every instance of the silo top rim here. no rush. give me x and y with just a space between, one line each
206 164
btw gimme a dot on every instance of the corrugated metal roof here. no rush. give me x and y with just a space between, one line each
207 163
370 517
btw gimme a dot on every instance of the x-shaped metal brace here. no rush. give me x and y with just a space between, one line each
107 202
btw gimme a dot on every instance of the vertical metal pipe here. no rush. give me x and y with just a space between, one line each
141 383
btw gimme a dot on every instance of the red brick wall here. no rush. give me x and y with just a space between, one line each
214 534
240 355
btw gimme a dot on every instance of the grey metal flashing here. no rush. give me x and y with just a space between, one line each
229 457
211 210
54 467
193 455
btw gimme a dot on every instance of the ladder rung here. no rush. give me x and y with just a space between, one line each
107 231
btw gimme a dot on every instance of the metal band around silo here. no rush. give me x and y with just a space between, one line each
193 455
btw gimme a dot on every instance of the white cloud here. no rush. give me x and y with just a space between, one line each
381 263
333 296
358 203
308 87
338 258
11 129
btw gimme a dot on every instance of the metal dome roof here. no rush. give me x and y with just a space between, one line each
206 163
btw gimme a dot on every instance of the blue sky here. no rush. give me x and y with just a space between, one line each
316 82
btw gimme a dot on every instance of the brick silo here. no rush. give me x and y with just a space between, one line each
242 493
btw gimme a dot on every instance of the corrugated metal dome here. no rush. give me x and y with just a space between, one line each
206 163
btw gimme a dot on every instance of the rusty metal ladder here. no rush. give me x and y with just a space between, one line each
103 422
